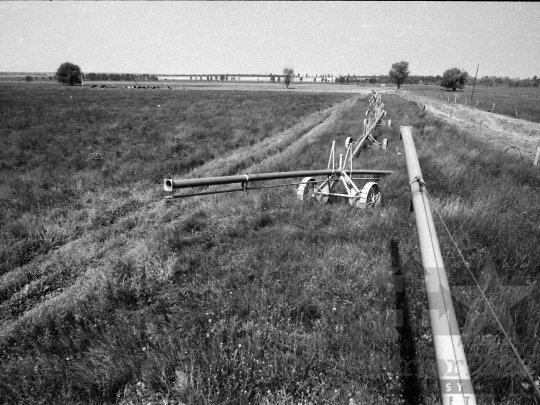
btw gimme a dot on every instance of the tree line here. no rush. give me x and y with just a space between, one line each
454 78
482 81
119 77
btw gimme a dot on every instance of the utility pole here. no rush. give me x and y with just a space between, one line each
474 83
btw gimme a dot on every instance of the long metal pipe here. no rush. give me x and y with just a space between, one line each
171 184
452 369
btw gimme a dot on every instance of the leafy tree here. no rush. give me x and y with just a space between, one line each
28 78
535 81
454 79
288 74
68 73
399 72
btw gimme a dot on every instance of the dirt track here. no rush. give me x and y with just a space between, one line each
502 131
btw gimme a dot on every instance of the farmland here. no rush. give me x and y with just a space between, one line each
107 294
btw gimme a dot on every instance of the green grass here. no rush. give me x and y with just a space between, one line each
257 298
61 147
525 99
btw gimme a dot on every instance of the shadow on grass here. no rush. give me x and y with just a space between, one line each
411 389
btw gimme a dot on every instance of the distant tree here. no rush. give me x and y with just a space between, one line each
28 78
399 72
454 79
288 75
535 81
68 73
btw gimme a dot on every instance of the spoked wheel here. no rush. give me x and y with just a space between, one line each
306 188
370 196
321 193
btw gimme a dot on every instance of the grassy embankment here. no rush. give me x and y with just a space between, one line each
525 99
252 297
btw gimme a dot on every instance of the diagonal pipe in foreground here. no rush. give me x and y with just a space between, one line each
452 369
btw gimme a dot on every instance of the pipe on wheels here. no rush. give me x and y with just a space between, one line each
171 184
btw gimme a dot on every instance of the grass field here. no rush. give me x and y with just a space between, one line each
506 99
110 295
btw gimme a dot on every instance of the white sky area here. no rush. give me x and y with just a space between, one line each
362 38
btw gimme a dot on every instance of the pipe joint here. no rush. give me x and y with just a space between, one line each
420 181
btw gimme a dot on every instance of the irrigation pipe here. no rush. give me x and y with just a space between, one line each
171 184
452 369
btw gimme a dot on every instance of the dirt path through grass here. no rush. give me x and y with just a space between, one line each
501 131
87 260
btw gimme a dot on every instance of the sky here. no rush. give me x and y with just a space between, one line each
363 38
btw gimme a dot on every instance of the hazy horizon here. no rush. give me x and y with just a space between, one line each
265 37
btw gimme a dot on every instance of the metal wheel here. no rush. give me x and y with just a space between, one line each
306 188
370 196
319 193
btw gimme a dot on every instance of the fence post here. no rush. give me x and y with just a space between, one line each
515 110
